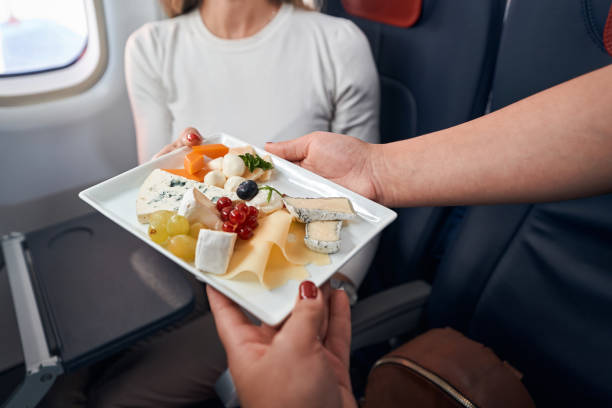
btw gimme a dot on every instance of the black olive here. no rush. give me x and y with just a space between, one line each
247 190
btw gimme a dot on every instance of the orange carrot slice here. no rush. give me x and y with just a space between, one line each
193 162
211 150
199 176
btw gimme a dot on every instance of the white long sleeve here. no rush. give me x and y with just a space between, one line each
152 117
357 91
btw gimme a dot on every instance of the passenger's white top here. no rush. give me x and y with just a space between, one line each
304 71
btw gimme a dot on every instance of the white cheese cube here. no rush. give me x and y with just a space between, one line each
214 250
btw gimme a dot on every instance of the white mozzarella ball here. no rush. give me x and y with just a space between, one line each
216 164
233 165
215 178
232 183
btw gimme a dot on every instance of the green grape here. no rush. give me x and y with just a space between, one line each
182 246
159 218
177 224
158 235
194 230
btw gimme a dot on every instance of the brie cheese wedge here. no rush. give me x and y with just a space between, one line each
214 250
323 236
320 209
196 207
261 201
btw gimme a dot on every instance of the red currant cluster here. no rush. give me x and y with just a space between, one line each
241 219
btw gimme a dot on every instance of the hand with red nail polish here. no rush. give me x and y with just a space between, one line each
318 151
303 363
189 137
308 290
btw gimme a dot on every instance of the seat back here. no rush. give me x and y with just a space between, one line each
420 94
534 282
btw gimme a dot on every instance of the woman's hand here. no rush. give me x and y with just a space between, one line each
189 137
304 363
342 159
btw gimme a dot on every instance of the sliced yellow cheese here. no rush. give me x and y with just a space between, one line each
275 253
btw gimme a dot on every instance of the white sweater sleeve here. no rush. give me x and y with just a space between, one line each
356 113
357 93
148 98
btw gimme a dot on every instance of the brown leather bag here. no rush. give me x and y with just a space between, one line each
441 369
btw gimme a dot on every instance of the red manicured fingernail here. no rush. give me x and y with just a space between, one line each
192 137
308 290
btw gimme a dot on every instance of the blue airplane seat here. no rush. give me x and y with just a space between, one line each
534 282
434 74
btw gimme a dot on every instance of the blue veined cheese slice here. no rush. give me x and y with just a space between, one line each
214 250
323 236
320 209
164 191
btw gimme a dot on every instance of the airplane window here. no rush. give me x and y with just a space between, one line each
41 35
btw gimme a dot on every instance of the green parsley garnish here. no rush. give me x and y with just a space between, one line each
252 162
270 190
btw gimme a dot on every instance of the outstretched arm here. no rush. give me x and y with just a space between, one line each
551 146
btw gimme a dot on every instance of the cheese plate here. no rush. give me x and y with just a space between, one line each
116 199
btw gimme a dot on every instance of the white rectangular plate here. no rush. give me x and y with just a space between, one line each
116 199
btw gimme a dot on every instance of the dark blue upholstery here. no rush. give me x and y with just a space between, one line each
445 60
433 75
534 282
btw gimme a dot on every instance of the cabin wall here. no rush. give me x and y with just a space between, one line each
50 151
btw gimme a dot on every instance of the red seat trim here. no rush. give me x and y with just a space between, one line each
607 36
400 13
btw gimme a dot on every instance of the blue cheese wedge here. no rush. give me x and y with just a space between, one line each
320 209
214 250
164 191
323 236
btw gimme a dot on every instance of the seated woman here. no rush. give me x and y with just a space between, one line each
260 70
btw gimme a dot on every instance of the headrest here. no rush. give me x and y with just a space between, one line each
400 13
607 36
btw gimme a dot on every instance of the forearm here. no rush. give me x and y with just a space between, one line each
554 145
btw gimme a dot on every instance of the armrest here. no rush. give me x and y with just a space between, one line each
389 313
42 368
